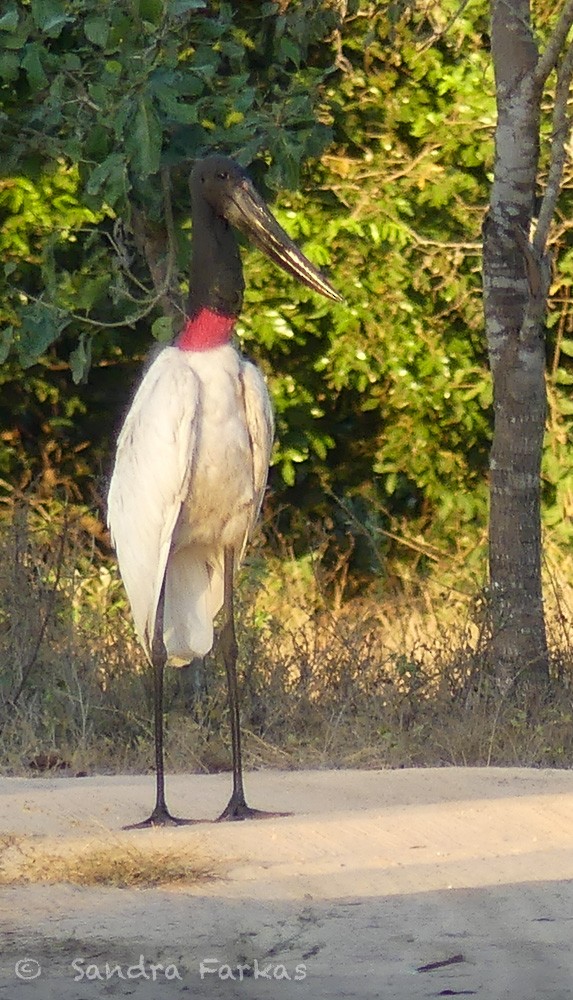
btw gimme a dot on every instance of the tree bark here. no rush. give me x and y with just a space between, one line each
516 284
156 243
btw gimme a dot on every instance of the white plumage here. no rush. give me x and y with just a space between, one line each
188 481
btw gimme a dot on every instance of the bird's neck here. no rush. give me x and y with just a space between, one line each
215 281
205 330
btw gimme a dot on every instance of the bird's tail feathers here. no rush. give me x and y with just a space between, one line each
193 596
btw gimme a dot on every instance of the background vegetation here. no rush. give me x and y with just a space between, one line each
370 128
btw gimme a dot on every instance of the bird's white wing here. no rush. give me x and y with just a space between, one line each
150 481
261 426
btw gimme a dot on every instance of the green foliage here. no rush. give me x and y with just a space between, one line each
95 99
383 404
101 96
121 88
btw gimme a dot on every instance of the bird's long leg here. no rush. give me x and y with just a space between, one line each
160 815
237 807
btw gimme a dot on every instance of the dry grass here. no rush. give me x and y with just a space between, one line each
383 680
33 860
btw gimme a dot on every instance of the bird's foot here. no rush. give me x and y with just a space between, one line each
161 817
238 810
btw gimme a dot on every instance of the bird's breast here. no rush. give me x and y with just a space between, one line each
220 507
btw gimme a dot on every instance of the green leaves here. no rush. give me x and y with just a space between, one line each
50 16
81 359
382 400
143 140
9 66
123 89
31 61
178 8
9 20
40 327
6 341
96 30
109 179
162 329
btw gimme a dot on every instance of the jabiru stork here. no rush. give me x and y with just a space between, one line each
193 455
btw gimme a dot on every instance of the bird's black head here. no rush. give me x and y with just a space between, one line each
222 194
214 179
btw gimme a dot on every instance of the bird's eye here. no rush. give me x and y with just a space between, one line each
223 175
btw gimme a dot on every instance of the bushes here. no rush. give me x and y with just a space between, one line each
369 682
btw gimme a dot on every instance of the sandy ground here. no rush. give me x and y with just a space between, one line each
376 881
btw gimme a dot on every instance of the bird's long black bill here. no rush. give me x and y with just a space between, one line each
249 213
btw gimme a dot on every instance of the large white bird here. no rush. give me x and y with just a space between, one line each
193 455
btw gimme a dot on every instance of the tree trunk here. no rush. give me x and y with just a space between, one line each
516 282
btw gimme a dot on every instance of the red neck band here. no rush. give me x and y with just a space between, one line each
205 331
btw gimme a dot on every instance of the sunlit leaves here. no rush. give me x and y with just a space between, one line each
162 329
398 371
383 401
97 98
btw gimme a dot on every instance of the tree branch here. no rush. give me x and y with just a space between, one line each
561 131
158 247
550 56
439 33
